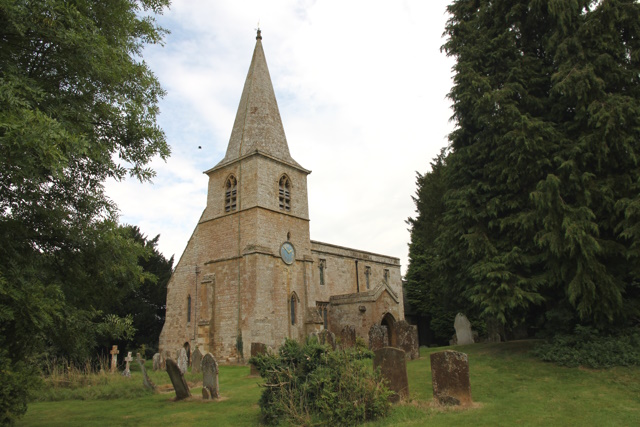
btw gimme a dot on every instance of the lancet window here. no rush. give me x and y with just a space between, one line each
284 193
230 194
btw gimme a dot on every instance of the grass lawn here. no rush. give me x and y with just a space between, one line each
508 386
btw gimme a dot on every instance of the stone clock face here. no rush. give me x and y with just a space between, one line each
287 253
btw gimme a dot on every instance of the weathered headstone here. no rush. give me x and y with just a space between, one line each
450 378
408 339
177 379
463 330
183 361
348 337
210 388
163 360
196 360
146 381
157 362
378 337
257 348
127 371
114 358
393 365
326 337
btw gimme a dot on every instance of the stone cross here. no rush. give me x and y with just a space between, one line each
210 389
393 366
450 378
114 358
128 359
177 379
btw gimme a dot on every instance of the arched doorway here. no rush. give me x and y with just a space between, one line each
390 323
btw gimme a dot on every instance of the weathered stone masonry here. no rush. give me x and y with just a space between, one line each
250 271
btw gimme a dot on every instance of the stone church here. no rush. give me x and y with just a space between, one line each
250 272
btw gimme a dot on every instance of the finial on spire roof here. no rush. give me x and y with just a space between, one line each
259 36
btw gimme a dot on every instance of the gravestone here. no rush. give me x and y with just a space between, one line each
450 378
408 339
177 379
128 359
183 361
157 362
348 337
257 348
378 337
326 337
393 365
210 388
462 325
114 358
196 360
146 381
163 360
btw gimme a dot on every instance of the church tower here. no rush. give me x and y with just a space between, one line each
250 272
242 276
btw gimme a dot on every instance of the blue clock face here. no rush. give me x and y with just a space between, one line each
287 253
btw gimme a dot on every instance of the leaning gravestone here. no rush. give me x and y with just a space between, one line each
393 365
196 360
463 330
183 360
408 339
378 337
157 362
177 379
210 388
146 381
348 337
257 348
450 378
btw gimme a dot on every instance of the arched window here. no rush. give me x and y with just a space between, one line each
292 306
285 193
230 194
189 308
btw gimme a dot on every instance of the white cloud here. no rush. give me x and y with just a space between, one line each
361 87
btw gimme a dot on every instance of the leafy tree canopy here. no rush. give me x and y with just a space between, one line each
78 105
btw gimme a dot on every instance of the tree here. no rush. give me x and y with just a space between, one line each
541 206
77 106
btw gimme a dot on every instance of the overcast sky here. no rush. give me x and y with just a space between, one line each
361 87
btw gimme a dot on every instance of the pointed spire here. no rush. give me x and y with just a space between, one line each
258 126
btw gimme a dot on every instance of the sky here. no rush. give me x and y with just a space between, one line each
362 91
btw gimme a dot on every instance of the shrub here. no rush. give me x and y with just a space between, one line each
303 382
587 346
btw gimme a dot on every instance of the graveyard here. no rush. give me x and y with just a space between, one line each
508 386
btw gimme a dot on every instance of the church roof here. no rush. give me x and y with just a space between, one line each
258 126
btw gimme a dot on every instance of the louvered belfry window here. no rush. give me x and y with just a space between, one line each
230 194
285 193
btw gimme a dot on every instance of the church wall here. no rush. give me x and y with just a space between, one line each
362 320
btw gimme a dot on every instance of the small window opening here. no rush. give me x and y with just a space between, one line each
285 193
230 194
293 309
321 267
386 276
367 275
323 311
189 308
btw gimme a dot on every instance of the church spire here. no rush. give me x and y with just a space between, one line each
258 126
